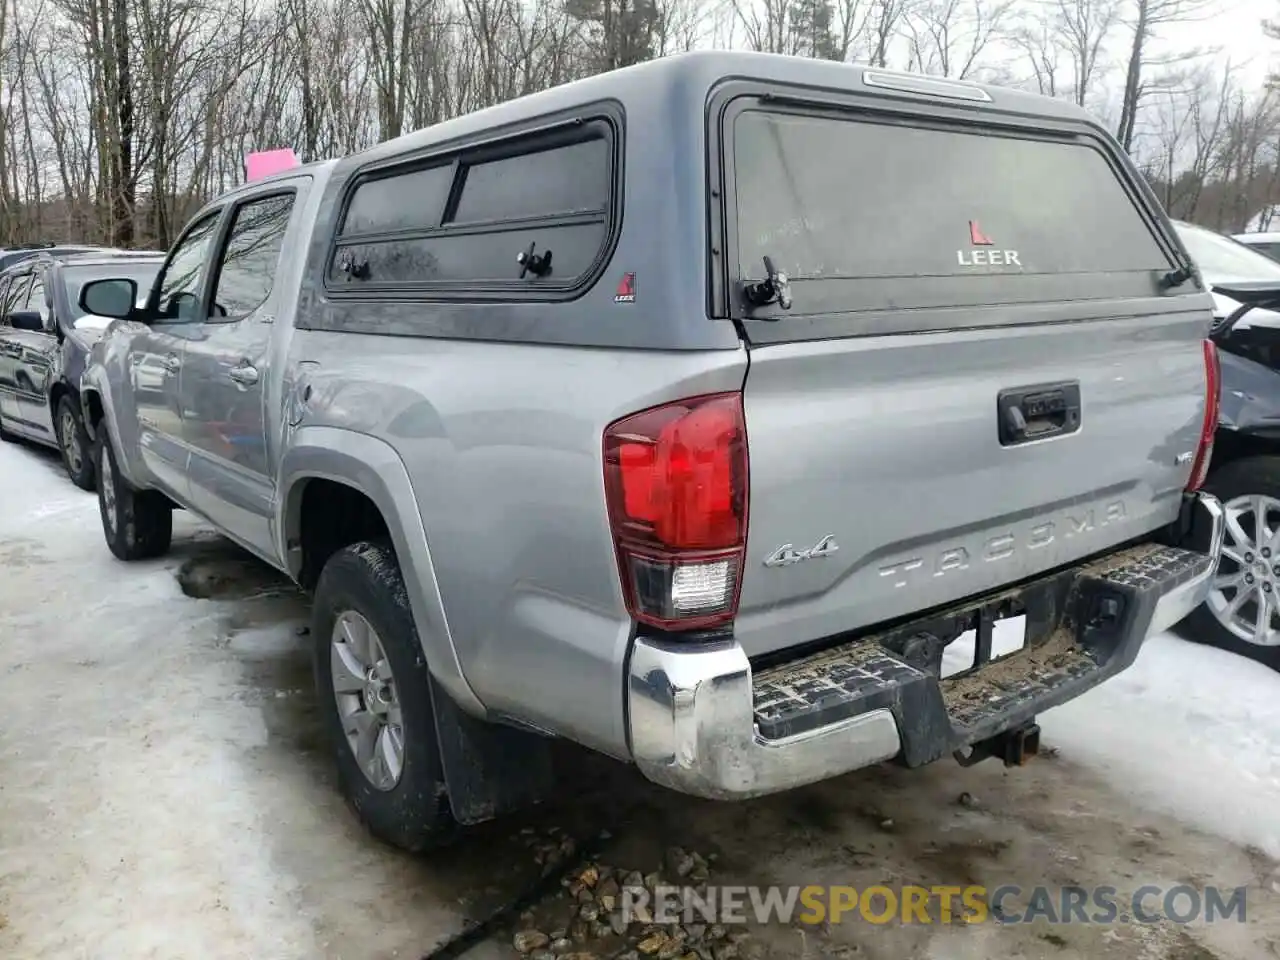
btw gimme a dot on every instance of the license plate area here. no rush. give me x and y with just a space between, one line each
1003 638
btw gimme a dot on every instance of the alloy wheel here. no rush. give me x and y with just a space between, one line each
71 442
1245 596
368 707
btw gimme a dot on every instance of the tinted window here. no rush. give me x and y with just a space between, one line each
35 298
402 202
10 259
74 278
15 297
832 198
250 258
561 180
502 207
183 279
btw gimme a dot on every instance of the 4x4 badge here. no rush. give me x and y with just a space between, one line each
787 554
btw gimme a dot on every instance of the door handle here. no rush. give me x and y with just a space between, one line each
245 374
172 363
1037 413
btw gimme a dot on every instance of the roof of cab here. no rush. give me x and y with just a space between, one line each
696 73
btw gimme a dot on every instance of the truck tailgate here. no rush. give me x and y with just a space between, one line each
881 484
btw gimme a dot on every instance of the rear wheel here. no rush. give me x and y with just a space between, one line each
375 698
1242 613
5 434
138 524
73 441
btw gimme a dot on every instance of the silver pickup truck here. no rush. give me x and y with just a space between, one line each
698 413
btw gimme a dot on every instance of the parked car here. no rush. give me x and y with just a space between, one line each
1265 243
12 255
44 341
1242 611
591 416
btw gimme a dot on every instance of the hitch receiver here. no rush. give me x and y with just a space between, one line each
1015 747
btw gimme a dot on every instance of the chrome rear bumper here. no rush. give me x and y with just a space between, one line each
692 707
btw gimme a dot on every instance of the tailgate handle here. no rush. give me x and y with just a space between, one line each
1036 413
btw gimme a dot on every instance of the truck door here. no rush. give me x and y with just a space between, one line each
9 350
156 355
16 347
35 363
225 369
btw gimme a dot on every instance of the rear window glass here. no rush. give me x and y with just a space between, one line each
829 198
402 202
551 197
564 180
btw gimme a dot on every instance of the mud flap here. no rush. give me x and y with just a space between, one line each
490 769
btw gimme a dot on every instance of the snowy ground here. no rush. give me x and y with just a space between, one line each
163 793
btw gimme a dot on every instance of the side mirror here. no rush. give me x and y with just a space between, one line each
26 320
109 298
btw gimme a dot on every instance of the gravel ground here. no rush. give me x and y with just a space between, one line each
163 793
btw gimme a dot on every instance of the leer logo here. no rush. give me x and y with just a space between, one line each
626 289
985 258
977 237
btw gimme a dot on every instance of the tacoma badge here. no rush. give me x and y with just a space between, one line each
786 554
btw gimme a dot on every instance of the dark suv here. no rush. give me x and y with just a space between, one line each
44 339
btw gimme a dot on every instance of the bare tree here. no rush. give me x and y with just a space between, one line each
119 117
1148 17
948 37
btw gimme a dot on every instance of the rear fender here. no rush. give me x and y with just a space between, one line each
373 467
489 768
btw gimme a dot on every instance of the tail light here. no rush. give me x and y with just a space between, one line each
1212 384
676 488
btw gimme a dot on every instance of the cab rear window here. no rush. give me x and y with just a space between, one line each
832 198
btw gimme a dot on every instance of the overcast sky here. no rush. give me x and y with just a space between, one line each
1236 27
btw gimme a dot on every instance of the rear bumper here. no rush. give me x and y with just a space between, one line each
701 723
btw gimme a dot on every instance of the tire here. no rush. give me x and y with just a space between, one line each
138 524
1234 484
73 442
5 435
359 584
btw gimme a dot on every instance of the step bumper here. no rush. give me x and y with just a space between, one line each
701 722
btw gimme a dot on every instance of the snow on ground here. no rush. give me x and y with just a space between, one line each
144 810
1188 730
163 795
87 648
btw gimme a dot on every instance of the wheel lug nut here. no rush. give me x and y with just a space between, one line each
1248 578
1248 558
1266 551
1266 587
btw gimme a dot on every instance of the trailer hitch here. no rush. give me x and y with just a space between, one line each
1015 747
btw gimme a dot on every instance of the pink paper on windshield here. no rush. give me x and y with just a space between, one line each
266 162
